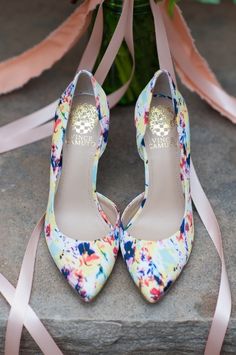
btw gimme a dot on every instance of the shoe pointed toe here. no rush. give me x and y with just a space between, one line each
86 265
155 265
154 288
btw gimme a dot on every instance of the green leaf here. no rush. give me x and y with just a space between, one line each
210 1
171 6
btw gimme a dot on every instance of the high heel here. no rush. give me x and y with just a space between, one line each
157 227
81 226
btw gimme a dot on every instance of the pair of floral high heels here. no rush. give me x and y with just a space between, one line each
84 229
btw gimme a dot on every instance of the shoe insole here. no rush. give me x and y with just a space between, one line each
163 210
76 211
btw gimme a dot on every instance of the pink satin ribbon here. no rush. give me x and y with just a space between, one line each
223 307
31 322
21 313
192 68
17 71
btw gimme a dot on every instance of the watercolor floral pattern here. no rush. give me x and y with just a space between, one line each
155 265
86 265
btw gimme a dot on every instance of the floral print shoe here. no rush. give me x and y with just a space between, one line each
157 227
81 226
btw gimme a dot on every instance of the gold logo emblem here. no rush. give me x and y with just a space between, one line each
161 120
84 118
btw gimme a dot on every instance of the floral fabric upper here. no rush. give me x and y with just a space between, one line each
155 265
85 264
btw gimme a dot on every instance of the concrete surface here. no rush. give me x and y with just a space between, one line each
119 321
